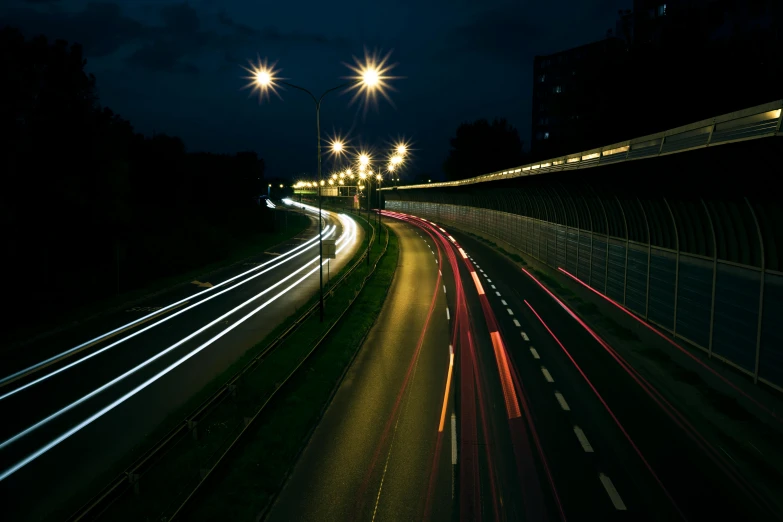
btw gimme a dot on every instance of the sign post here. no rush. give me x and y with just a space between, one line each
330 252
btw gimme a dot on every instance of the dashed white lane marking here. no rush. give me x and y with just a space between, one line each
562 401
481 270
524 336
497 293
583 439
547 375
612 492
510 312
489 280
493 287
444 289
440 273
516 323
433 252
504 302
534 352
448 315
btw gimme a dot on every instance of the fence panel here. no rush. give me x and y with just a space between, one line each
694 300
736 315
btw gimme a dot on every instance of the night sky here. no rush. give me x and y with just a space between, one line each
176 68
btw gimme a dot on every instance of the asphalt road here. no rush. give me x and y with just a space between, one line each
214 325
612 451
377 453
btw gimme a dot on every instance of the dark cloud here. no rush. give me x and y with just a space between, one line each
514 32
101 28
174 44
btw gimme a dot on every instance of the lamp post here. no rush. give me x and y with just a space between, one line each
379 178
363 161
370 80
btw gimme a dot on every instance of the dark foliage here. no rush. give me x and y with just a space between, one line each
88 207
482 147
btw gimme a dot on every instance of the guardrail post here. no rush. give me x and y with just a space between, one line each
714 275
592 229
193 429
761 293
676 267
625 273
649 259
606 261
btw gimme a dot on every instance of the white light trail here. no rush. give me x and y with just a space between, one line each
148 316
327 232
8 472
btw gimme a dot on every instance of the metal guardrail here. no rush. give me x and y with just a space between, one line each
95 507
756 122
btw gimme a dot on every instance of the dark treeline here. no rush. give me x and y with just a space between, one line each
90 208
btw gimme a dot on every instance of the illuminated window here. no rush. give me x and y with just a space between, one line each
542 78
546 135
557 89
662 10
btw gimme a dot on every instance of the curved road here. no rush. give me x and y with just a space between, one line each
67 423
552 424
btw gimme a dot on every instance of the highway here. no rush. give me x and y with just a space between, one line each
68 421
372 455
551 423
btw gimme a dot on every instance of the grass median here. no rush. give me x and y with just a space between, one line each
256 469
177 472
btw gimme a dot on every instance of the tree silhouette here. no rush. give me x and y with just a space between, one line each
480 147
89 208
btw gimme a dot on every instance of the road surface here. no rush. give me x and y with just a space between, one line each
373 456
64 426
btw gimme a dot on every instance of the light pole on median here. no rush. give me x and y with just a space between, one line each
370 80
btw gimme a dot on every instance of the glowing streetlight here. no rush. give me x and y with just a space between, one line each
364 160
390 168
331 182
370 80
396 160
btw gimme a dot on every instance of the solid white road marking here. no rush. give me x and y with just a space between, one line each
547 375
516 323
612 492
583 439
534 352
453 438
509 311
448 316
525 337
562 401
504 302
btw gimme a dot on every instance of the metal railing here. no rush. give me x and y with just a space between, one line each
756 122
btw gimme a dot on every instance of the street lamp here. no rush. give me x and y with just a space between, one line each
371 79
379 178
